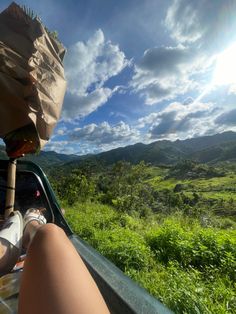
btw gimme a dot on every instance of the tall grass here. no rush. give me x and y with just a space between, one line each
188 267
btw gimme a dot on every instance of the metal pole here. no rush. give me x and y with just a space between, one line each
11 185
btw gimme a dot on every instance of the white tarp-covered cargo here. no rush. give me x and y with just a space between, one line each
32 82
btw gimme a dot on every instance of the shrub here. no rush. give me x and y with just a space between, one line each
125 248
75 187
203 249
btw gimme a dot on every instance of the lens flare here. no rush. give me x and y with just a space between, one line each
225 71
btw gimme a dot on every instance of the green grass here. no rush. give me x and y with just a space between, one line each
222 195
228 181
189 268
220 188
187 291
219 183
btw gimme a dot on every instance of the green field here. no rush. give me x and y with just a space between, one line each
189 268
174 236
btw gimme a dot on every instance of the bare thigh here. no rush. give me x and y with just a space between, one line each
55 279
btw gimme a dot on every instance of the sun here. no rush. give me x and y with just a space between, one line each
225 70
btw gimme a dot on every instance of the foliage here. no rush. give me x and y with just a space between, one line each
188 267
176 237
205 249
32 15
29 12
186 291
188 169
125 248
74 187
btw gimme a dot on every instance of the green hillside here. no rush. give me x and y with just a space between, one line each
172 229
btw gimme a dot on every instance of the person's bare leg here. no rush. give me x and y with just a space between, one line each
55 279
10 242
8 257
3 253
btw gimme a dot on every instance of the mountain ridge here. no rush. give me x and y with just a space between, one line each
201 149
206 149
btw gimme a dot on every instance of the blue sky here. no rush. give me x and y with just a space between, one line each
140 71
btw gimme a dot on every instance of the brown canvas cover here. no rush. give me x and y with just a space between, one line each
32 82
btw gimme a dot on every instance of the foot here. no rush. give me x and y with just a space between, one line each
33 219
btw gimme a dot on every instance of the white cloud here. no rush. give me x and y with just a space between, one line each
118 114
88 65
189 107
181 120
62 147
187 28
209 24
101 137
201 29
164 72
61 131
82 105
227 118
149 119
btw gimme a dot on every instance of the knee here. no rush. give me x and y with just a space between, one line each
47 238
49 231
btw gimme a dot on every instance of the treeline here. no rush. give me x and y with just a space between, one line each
123 186
128 188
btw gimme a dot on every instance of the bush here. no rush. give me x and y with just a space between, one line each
75 187
125 248
203 249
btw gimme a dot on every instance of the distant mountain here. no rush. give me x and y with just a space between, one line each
44 159
206 149
48 159
219 147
